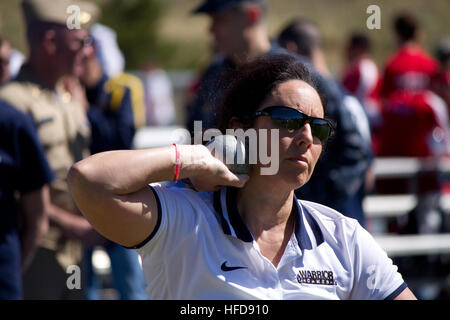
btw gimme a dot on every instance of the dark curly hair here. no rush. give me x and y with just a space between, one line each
251 83
406 26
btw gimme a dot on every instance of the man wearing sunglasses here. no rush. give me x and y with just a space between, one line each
56 52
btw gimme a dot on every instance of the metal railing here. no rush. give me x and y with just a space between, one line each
395 205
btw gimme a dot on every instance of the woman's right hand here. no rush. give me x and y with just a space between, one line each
211 174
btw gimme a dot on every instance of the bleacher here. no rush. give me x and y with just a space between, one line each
379 208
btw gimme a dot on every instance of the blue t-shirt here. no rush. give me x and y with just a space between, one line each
111 119
23 168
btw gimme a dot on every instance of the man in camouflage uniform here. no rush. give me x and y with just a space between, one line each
47 89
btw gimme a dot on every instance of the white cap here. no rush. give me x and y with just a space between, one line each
108 51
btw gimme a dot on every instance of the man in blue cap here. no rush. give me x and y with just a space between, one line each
240 35
238 28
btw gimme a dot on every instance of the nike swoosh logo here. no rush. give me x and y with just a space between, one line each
224 267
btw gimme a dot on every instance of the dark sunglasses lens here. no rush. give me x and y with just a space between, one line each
320 129
290 124
291 119
287 118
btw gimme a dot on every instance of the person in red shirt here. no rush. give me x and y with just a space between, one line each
414 118
415 123
410 67
441 83
362 78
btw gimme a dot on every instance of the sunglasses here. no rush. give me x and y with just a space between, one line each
85 42
292 119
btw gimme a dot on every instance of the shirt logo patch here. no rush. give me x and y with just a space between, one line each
224 267
316 277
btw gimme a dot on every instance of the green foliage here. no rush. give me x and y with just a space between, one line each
136 23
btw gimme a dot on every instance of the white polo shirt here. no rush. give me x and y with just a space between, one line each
201 249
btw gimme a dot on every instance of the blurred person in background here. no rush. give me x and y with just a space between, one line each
41 90
362 78
239 31
5 56
24 170
110 114
415 121
410 68
109 54
16 61
415 125
110 111
159 98
113 65
11 60
441 83
302 37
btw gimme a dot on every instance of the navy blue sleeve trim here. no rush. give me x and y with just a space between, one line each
158 223
399 290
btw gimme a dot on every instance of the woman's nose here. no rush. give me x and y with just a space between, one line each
304 135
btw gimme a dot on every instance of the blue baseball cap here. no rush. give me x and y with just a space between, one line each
213 6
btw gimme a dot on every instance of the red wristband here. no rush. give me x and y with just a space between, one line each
177 164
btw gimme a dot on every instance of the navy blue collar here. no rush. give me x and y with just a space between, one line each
225 205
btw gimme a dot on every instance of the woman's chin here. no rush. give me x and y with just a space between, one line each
293 178
295 181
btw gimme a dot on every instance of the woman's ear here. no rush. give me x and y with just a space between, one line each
48 42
